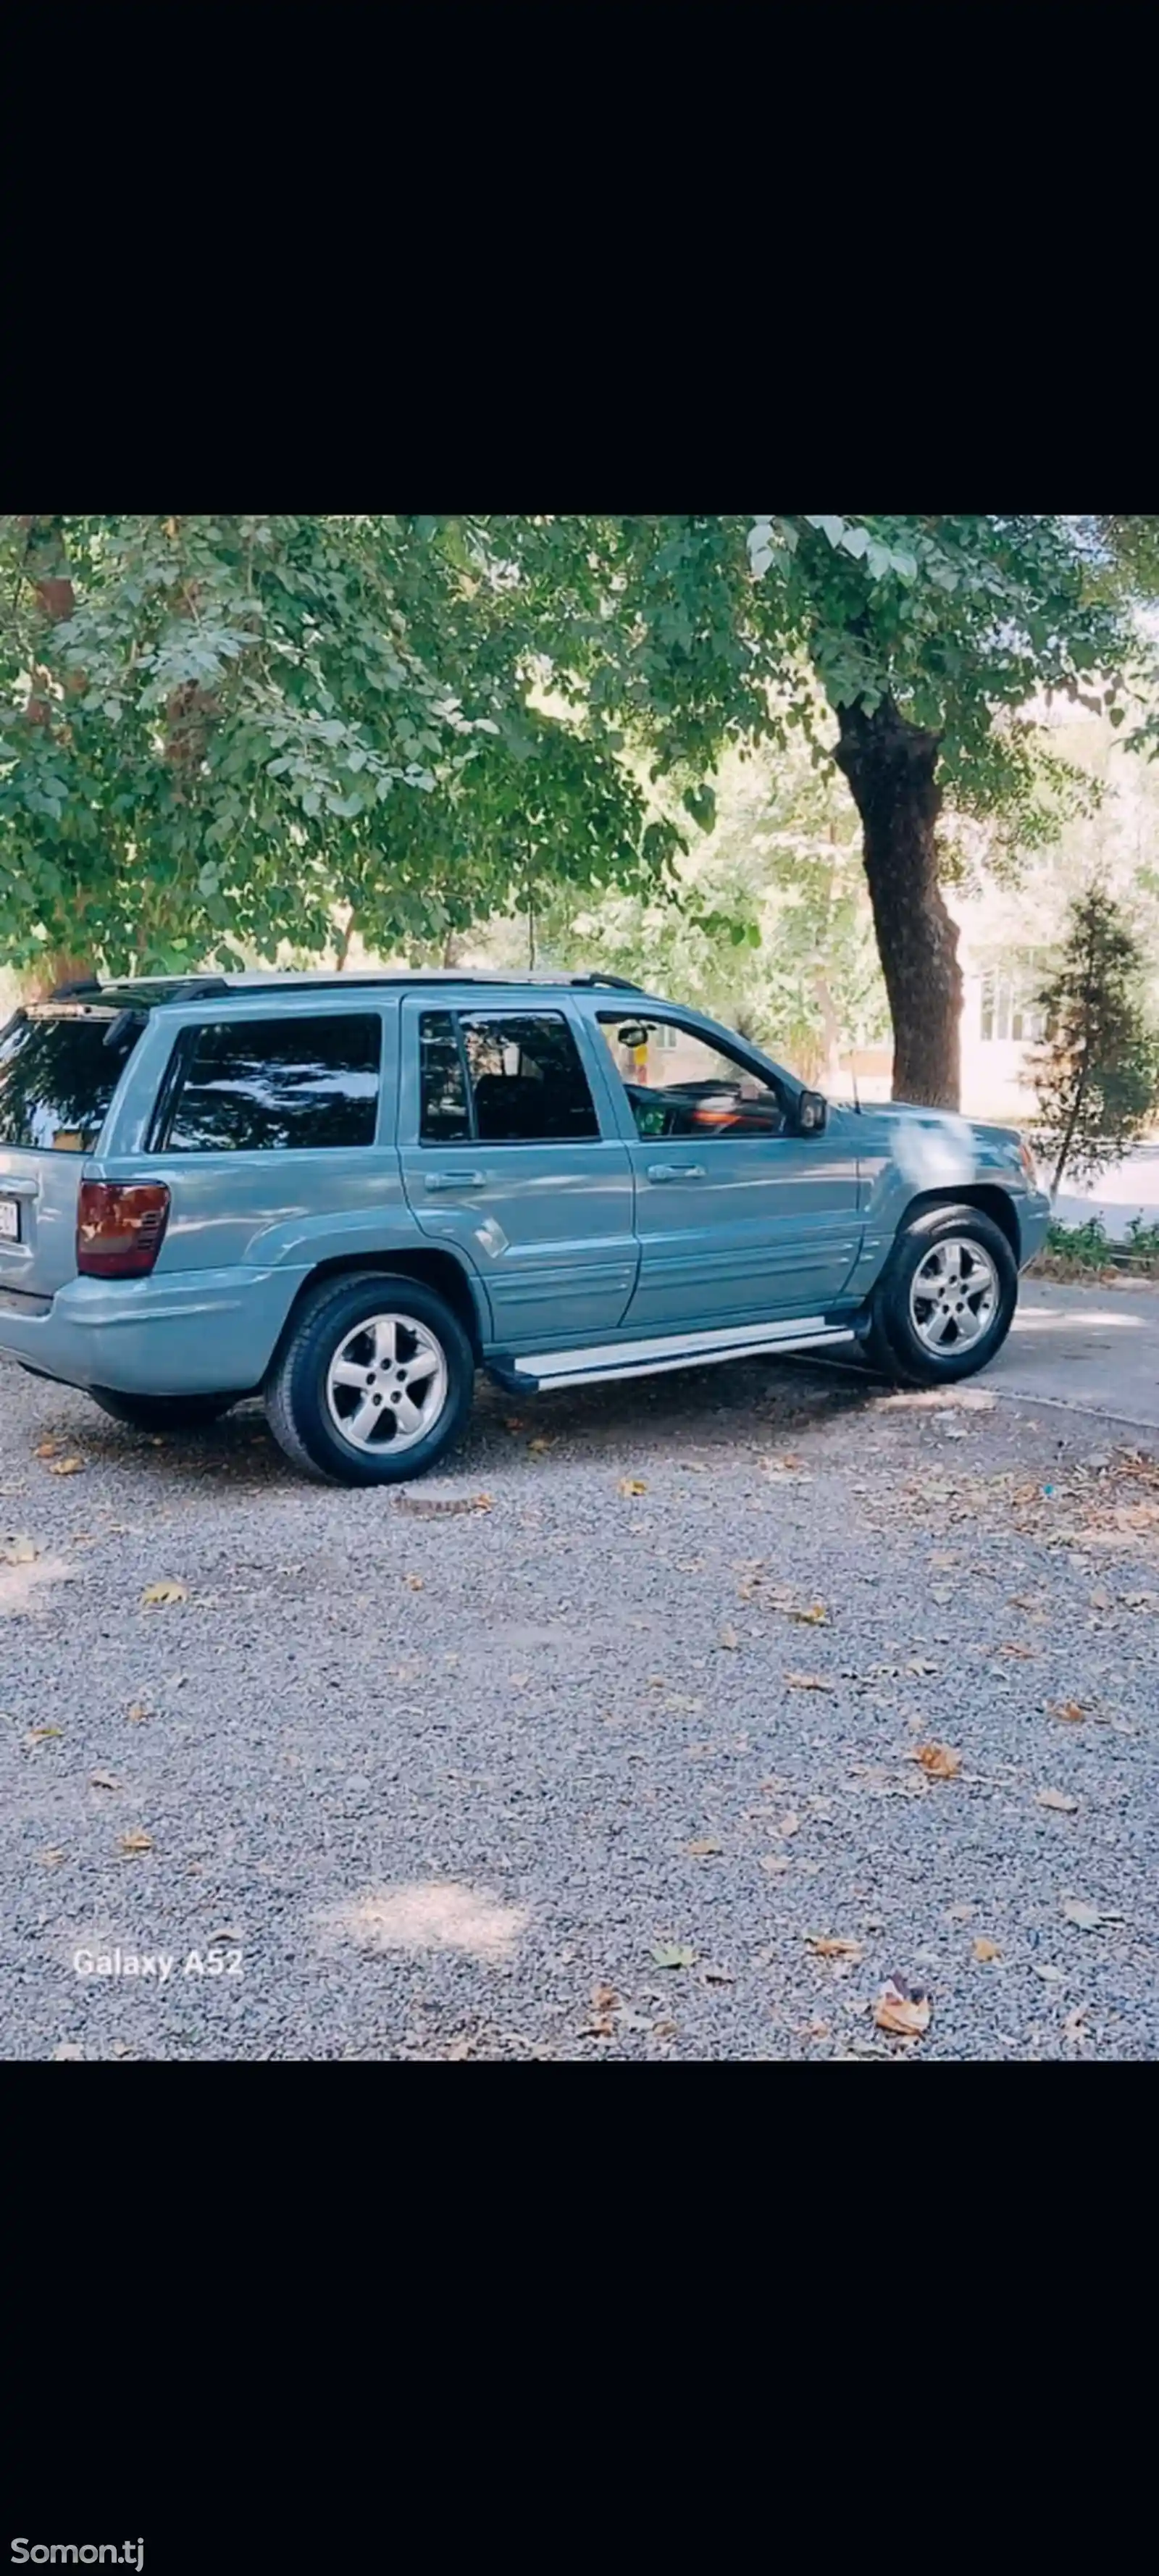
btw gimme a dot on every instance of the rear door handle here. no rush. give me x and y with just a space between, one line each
676 1171
454 1180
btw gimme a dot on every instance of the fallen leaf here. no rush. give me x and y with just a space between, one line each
808 1681
138 1714
939 1761
629 1485
103 1780
1073 2025
673 1954
816 1616
775 1863
538 1448
52 1858
1058 1799
1070 1709
67 1467
902 2009
986 1951
1024 1654
826 1946
1087 1918
68 2048
729 1639
42 1734
703 1848
19 1550
136 1841
790 1824
414 1582
159 1596
46 1449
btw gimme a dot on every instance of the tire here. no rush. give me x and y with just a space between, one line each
419 1339
971 1312
162 1412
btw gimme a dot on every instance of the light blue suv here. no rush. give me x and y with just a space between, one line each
347 1193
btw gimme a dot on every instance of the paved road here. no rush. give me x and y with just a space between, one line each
565 1776
1097 1348
1130 1190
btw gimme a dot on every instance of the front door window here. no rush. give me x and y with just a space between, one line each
679 1085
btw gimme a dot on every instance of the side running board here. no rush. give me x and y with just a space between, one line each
531 1373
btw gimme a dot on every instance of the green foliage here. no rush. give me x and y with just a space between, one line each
1077 1251
218 736
1097 1074
767 925
214 732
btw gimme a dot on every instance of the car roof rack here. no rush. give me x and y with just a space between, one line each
71 991
617 983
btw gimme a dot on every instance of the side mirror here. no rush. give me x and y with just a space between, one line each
812 1112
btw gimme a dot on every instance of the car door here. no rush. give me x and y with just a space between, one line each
739 1216
504 1155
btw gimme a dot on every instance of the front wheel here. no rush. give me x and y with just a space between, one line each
162 1412
946 1302
374 1382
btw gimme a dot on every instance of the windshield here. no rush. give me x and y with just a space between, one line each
57 1077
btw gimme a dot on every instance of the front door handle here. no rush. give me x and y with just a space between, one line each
676 1171
454 1180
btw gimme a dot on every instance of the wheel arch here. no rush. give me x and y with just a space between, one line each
989 1201
438 1270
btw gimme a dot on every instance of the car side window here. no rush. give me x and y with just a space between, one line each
502 1078
251 1085
679 1085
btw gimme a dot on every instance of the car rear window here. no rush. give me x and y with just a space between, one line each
57 1078
252 1085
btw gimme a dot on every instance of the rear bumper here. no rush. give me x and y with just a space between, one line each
199 1332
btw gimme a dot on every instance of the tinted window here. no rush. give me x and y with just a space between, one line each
276 1083
57 1079
445 1115
678 1085
526 1079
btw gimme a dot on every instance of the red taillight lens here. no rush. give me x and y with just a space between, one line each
120 1227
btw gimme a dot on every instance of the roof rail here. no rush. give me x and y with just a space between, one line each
204 988
617 983
79 984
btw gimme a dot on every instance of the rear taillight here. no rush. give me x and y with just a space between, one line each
120 1227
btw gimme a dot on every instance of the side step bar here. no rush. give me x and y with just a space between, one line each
533 1373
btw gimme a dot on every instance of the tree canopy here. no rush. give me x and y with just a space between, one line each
220 733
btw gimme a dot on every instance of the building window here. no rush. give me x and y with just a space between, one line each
1009 1006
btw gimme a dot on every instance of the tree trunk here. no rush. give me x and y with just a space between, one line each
890 766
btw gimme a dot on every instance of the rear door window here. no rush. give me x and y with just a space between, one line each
510 1078
247 1086
58 1076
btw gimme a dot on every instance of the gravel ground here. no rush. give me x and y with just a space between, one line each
543 1778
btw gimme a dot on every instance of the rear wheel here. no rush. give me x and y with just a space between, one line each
162 1412
374 1383
946 1302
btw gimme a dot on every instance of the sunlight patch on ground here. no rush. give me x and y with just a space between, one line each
425 1916
1058 1319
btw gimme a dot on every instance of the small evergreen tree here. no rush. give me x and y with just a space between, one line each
1097 1071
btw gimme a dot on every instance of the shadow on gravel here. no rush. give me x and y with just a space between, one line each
707 1409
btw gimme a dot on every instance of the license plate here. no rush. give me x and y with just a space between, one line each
10 1219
